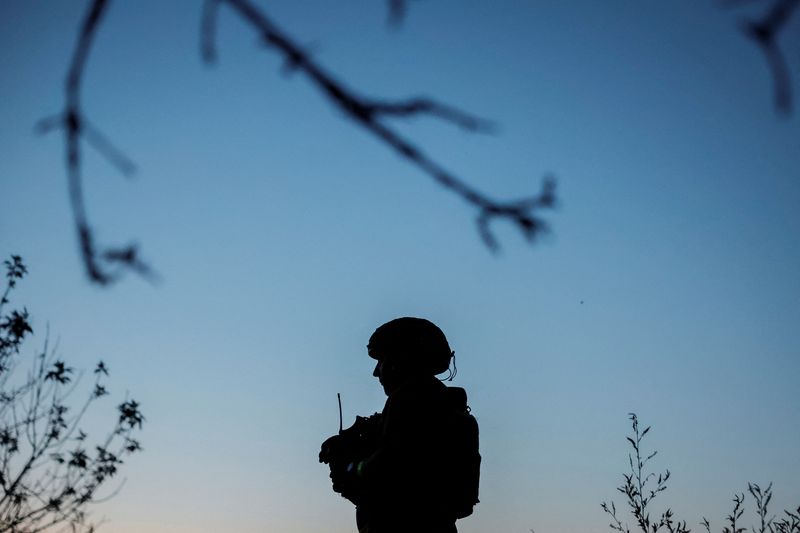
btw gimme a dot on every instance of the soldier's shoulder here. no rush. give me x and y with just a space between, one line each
421 395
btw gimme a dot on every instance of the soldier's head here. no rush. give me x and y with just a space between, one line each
408 347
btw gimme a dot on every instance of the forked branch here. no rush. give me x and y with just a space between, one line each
104 265
765 32
373 115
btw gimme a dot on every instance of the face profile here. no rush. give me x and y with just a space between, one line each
388 376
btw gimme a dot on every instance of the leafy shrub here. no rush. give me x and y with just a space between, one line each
49 471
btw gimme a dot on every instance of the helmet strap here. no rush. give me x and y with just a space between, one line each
451 373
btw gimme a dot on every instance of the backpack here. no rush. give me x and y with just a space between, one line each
466 460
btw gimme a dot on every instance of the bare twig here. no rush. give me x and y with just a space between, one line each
103 265
762 498
370 115
736 3
790 523
419 106
103 144
735 515
208 30
765 32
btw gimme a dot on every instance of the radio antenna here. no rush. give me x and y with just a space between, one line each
339 399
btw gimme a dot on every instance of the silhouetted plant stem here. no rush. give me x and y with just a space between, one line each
635 488
104 265
48 473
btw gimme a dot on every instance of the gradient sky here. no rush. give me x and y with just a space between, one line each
284 235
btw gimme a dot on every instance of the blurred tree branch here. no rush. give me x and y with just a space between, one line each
371 115
765 31
105 264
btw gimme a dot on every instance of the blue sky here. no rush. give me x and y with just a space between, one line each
284 235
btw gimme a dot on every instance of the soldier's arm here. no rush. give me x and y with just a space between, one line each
400 448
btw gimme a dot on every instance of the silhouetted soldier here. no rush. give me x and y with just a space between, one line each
415 466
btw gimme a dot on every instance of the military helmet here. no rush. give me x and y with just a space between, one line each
411 341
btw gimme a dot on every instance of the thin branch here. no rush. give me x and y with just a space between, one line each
73 125
369 114
736 3
208 31
97 139
103 265
42 484
397 12
765 32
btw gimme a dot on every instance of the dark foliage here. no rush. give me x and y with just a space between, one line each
49 473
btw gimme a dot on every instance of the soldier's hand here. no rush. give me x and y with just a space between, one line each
339 480
345 481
